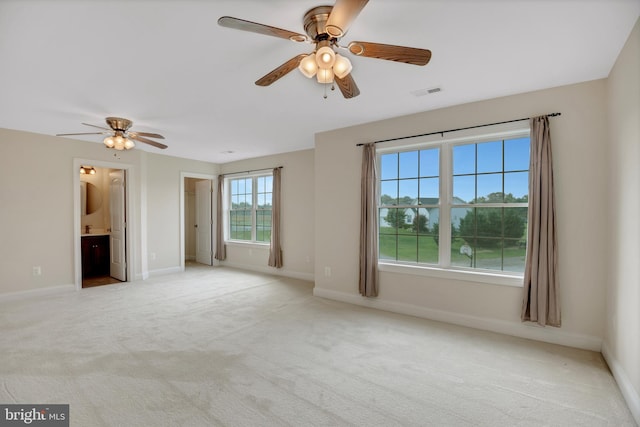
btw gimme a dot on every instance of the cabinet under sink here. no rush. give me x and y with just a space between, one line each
95 256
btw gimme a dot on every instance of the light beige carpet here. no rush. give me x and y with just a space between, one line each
222 347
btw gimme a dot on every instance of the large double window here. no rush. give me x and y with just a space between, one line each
457 204
250 208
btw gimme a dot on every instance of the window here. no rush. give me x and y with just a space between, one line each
458 204
250 208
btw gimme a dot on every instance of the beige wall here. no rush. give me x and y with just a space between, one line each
298 215
622 334
580 153
37 207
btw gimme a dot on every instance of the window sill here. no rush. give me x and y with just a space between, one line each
244 244
442 273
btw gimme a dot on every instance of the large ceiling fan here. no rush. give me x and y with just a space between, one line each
120 137
325 26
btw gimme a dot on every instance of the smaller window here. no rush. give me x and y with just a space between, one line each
250 208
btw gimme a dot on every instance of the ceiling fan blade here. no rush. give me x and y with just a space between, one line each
342 15
254 27
147 141
150 135
94 126
408 55
280 71
348 86
83 133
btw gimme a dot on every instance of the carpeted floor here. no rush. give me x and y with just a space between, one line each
222 347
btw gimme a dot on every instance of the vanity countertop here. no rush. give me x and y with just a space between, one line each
95 234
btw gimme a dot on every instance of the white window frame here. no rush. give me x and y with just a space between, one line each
254 208
446 142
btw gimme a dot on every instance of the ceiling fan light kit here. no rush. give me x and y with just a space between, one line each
119 137
325 25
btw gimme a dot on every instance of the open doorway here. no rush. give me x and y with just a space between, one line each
197 219
101 207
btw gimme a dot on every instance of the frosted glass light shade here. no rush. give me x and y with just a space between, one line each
325 57
325 76
342 66
308 66
109 142
128 144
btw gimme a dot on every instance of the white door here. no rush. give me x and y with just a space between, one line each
117 238
204 252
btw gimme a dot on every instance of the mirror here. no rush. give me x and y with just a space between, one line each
90 198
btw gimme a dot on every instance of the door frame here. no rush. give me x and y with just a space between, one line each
77 234
184 175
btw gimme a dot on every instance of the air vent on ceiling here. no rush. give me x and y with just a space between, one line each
423 92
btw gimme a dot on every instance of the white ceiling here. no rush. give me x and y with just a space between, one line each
171 69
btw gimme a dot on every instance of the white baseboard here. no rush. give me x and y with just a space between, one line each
522 330
310 277
30 293
630 394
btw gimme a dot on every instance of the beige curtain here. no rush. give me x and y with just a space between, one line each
221 250
541 302
275 250
368 224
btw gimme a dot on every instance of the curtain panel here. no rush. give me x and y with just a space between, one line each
275 249
541 299
221 250
368 281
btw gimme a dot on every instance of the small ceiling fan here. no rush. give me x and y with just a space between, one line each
325 26
120 137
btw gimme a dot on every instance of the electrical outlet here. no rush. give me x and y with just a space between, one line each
153 256
37 270
327 271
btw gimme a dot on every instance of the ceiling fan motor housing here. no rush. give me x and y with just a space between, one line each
315 21
119 124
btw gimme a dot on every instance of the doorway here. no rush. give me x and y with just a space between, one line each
197 219
101 208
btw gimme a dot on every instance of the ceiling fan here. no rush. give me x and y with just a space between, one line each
325 26
120 137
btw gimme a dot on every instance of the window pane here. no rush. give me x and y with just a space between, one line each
515 223
268 184
427 249
516 184
408 248
389 193
430 162
490 188
420 223
462 252
389 166
464 159
456 216
429 191
248 185
392 219
387 246
408 164
490 157
467 223
488 226
516 154
464 189
263 225
408 191
514 253
489 258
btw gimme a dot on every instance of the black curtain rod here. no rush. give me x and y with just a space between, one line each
442 132
255 170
